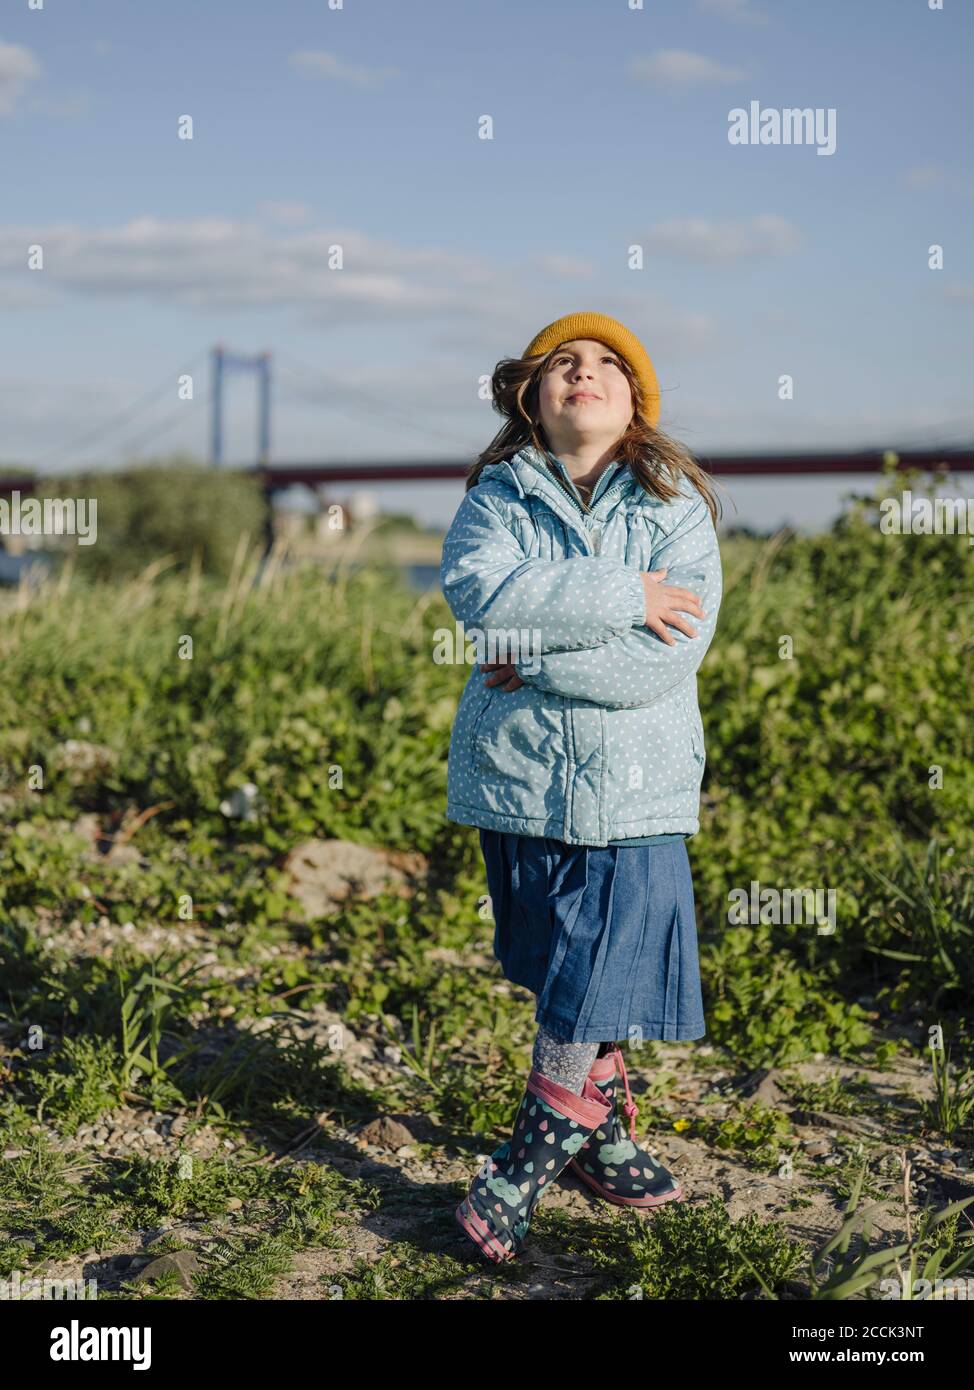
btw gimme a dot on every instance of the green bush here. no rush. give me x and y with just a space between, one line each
164 510
321 690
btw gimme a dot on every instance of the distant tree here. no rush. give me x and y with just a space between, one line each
171 507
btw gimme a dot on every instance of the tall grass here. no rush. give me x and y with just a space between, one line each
839 754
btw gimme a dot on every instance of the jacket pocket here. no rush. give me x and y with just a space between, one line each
489 740
517 738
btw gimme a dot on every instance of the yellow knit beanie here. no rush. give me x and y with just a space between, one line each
615 335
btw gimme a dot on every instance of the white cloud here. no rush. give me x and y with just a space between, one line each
217 264
669 332
318 63
678 67
700 239
18 67
219 267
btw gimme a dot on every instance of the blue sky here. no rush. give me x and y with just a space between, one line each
358 126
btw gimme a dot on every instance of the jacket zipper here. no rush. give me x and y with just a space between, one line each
595 544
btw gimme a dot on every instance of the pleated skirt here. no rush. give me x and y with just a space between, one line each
606 938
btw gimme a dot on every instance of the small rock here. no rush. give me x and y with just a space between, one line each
182 1230
184 1262
320 874
761 1086
385 1133
305 1262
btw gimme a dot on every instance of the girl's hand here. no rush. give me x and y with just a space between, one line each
665 602
505 675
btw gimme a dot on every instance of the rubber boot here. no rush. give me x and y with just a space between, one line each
551 1125
611 1162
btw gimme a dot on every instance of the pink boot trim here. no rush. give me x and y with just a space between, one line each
603 1068
481 1234
588 1109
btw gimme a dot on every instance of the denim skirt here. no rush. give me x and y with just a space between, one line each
605 937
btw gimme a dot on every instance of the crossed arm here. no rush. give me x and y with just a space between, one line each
564 605
585 615
637 667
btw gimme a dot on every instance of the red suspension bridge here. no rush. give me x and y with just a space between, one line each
312 387
773 463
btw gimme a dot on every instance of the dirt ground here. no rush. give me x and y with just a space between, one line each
416 1175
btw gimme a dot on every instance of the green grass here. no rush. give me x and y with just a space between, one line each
322 692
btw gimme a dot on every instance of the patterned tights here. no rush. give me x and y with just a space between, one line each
567 1063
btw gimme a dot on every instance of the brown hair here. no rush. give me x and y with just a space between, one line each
656 460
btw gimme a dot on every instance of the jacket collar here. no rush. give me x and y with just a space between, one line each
528 472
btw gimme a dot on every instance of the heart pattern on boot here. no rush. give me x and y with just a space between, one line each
610 1159
494 1213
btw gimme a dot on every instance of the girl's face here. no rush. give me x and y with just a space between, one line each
585 395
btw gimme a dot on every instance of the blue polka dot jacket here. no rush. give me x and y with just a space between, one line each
604 740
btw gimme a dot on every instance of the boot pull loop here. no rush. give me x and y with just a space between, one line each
629 1108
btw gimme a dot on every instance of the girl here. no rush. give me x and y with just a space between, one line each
579 752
